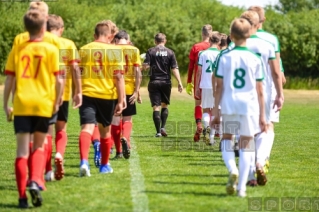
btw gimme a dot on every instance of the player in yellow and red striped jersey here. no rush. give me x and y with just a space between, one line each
34 65
103 93
69 59
132 78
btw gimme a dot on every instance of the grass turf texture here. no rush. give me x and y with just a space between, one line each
178 175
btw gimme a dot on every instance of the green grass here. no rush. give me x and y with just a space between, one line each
178 175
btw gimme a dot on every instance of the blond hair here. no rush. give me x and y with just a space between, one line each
39 5
260 11
34 20
54 22
251 16
206 29
240 28
214 37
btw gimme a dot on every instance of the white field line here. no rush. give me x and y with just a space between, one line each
139 197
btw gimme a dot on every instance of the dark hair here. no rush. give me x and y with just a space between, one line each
122 34
160 38
228 40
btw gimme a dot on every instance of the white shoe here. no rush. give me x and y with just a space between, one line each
49 176
84 171
241 193
212 140
232 182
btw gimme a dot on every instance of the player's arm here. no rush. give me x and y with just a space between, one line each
138 79
174 68
9 83
120 89
218 95
191 65
198 77
59 80
261 101
277 78
147 61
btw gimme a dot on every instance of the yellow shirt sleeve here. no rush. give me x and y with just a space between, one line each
10 65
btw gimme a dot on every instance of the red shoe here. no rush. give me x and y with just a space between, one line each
199 130
196 137
59 169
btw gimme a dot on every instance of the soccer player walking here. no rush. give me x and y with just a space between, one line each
35 67
161 61
239 92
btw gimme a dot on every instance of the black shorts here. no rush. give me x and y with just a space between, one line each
97 110
130 110
63 111
31 124
159 91
53 119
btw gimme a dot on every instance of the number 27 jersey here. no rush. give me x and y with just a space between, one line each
240 69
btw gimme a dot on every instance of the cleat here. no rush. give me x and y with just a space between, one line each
158 135
106 169
59 169
97 154
196 137
252 183
261 177
35 194
49 176
199 130
84 169
23 203
118 156
125 148
212 140
206 132
232 183
217 135
163 132
241 193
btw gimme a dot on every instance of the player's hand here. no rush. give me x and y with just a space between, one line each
139 99
189 88
77 100
9 113
180 87
263 124
279 101
56 107
118 109
133 98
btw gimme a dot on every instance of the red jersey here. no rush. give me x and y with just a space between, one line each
193 58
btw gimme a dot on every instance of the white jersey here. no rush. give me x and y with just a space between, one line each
206 60
240 68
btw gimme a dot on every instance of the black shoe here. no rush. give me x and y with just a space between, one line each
118 156
163 132
35 194
23 203
125 148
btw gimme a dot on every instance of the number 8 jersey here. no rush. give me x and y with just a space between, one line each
240 69
34 65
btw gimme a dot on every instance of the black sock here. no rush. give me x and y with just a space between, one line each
164 115
198 120
157 120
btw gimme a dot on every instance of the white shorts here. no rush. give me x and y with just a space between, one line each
240 124
207 98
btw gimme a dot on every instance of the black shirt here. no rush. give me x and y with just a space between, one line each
161 60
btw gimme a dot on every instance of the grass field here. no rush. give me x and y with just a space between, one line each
173 174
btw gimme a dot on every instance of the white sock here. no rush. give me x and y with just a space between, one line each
270 142
261 140
252 169
229 155
245 158
206 119
212 128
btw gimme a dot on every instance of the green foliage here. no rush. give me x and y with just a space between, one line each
181 21
286 6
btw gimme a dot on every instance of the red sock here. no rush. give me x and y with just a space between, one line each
29 158
48 154
127 129
198 112
116 135
21 176
96 134
84 144
61 141
36 170
106 144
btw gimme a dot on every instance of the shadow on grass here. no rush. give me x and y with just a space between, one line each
9 205
189 183
193 175
8 188
187 193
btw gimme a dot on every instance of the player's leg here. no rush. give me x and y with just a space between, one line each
60 140
96 145
22 129
49 175
116 136
105 119
155 98
165 88
198 113
227 148
40 126
87 113
207 105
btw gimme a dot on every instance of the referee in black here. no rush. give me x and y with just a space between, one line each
161 61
